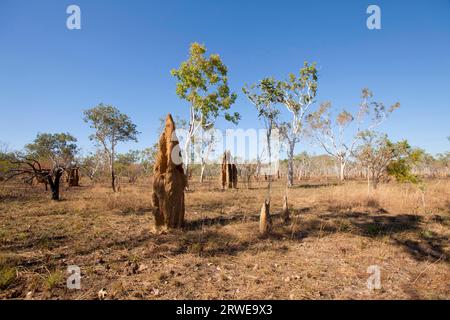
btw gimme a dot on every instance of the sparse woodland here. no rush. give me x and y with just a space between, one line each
150 224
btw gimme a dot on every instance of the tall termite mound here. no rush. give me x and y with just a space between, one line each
224 171
229 174
234 175
169 180
265 222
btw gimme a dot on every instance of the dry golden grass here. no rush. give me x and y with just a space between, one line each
335 234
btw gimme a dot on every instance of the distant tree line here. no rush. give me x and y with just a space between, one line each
352 146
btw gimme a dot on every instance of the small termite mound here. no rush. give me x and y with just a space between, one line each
265 222
285 213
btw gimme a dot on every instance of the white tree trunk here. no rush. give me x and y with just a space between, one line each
342 170
290 181
202 172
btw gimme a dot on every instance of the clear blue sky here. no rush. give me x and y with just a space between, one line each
125 50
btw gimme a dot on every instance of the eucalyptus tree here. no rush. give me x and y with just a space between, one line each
382 157
148 158
303 163
128 165
297 94
331 132
265 95
111 127
93 163
203 82
204 146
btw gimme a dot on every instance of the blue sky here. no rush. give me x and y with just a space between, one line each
125 50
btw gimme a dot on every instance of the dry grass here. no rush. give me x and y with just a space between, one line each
335 233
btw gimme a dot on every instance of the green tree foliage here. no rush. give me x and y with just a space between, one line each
58 148
296 94
401 168
264 95
383 158
127 164
203 82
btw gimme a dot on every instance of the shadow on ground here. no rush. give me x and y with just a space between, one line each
404 230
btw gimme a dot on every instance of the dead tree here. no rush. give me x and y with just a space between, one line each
40 180
169 180
31 169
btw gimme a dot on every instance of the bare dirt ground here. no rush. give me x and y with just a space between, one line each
336 233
